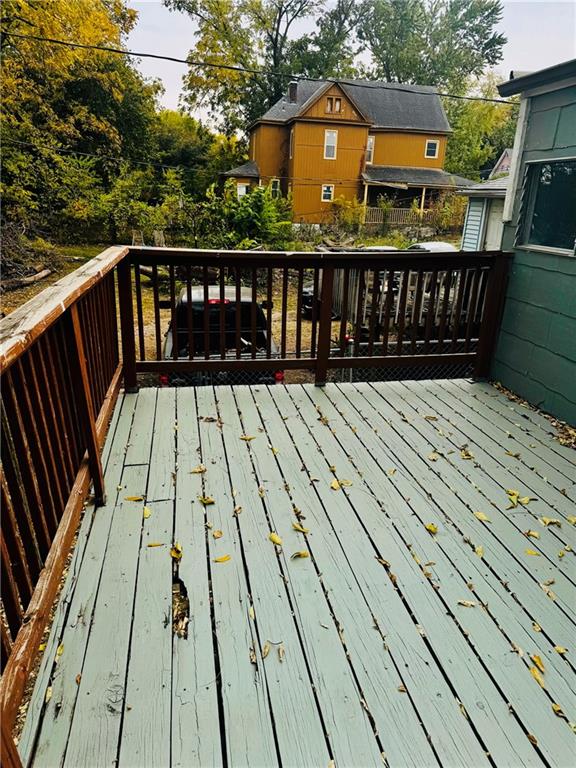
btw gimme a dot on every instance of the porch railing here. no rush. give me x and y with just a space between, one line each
65 354
395 217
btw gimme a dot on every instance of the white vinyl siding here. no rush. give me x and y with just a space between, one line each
473 225
330 144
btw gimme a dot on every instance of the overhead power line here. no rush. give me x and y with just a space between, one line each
248 70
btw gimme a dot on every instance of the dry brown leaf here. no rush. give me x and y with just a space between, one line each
516 648
557 709
431 418
401 689
431 528
199 470
223 559
133 498
481 516
300 528
539 663
532 739
176 551
206 500
146 513
78 678
217 534
511 453
155 544
537 676
466 454
383 562
252 655
391 472
301 553
265 649
275 539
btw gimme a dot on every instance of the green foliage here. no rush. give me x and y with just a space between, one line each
348 215
448 212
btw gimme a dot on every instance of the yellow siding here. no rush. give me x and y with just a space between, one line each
309 170
406 149
269 148
347 112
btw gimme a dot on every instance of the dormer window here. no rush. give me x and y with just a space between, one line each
333 104
431 151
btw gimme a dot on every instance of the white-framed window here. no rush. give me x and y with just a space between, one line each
549 202
327 193
333 104
370 150
432 148
291 143
330 144
275 187
242 189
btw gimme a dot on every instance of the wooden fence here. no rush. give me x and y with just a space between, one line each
398 217
62 367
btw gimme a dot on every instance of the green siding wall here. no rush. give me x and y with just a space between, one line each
536 351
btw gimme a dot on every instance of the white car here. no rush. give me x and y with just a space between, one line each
432 246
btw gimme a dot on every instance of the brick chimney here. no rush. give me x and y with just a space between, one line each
292 91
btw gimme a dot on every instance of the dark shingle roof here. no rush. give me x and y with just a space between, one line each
385 105
420 177
491 188
248 170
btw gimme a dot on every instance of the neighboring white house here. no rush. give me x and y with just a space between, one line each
484 225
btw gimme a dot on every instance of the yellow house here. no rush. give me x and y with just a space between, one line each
355 139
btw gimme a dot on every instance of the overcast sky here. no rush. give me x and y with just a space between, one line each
540 33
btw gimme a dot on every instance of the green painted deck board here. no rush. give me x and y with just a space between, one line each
372 662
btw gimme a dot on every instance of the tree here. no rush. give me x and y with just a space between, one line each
431 42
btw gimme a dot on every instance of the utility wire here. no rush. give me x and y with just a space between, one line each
248 70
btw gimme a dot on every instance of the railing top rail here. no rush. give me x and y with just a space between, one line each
22 327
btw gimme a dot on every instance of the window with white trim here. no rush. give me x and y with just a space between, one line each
432 148
333 104
330 143
327 193
370 150
275 187
549 202
242 189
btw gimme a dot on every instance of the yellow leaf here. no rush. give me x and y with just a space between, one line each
301 553
537 676
482 516
532 552
146 513
206 500
199 470
557 709
560 649
335 485
265 649
479 551
431 528
42 647
525 500
536 627
466 454
532 534
511 453
513 496
176 551
431 418
571 519
247 438
538 661
345 483
561 553
275 539
467 603
48 695
251 612
281 652
274 450
300 528
155 544
60 649
261 492
217 534
222 559
546 521
390 472
134 498
433 456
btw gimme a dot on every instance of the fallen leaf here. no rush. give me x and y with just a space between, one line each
513 496
482 516
511 453
48 695
199 470
539 663
60 650
217 534
134 498
275 539
536 627
274 450
176 551
78 678
390 472
252 655
557 709
223 559
251 612
401 689
532 552
467 603
532 534
383 562
560 649
155 544
525 500
237 510
546 521
300 528
479 550
335 485
206 500
299 554
431 528
537 676
265 649
261 491
281 652
431 418
466 454
42 647
346 483
146 513
433 456
247 438
571 519
561 553
516 648
532 739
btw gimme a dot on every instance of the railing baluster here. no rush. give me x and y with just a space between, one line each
401 310
206 313
345 282
457 310
284 311
373 310
253 340
189 312
10 595
325 332
127 325
390 275
445 305
358 319
431 309
299 289
222 315
14 544
173 318
416 304
471 308
315 294
269 312
238 313
140 315
156 295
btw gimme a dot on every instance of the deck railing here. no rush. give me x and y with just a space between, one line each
62 366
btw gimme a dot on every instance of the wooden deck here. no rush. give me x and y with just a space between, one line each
387 642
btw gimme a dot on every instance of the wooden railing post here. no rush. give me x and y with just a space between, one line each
325 326
79 375
493 308
127 325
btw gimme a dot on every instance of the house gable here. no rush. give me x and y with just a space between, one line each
331 103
